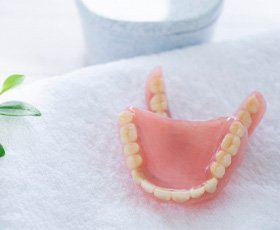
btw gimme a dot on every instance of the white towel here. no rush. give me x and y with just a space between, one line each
66 170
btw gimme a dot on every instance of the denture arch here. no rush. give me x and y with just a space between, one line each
179 160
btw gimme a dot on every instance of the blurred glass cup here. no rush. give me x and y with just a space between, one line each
117 29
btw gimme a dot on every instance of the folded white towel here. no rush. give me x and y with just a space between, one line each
66 169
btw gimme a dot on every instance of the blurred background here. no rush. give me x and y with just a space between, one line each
43 38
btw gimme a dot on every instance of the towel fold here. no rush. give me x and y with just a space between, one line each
65 170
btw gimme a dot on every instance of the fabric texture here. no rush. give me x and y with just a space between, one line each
66 170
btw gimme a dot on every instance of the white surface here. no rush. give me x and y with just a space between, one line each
242 18
130 10
157 10
66 169
39 38
110 40
43 38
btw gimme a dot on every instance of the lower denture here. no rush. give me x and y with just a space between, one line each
184 161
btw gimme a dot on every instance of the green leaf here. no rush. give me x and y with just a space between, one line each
11 82
18 108
2 151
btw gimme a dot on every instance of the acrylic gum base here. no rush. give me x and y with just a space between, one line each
220 161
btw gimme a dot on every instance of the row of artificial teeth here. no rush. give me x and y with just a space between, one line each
250 107
158 102
128 134
177 195
231 142
228 148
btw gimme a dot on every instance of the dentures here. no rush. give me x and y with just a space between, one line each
179 160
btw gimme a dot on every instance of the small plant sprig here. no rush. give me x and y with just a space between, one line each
15 108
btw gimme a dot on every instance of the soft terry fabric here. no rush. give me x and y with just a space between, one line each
66 169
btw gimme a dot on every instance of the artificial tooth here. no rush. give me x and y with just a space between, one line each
162 194
128 133
211 185
125 117
134 161
217 170
158 102
162 114
136 176
245 118
180 196
231 143
237 128
252 104
223 158
131 148
197 192
147 186
157 86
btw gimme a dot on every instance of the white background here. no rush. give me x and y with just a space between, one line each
43 38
